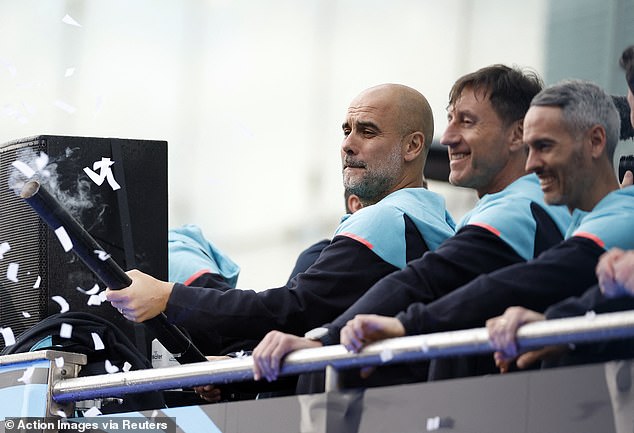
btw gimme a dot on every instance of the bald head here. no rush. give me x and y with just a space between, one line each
408 107
388 131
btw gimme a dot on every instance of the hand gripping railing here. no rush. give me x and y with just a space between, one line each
414 348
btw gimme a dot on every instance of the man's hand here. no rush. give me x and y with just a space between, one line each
267 356
503 331
144 299
367 328
211 393
615 272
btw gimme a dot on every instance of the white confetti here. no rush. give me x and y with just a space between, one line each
424 346
99 101
93 291
59 361
105 173
60 413
9 67
37 283
62 303
103 256
69 72
433 423
93 411
4 248
66 330
111 368
97 341
64 106
386 355
26 314
27 376
41 161
241 354
127 366
154 414
102 296
70 21
12 272
94 300
7 336
24 168
64 239
590 315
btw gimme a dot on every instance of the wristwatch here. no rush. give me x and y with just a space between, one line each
316 334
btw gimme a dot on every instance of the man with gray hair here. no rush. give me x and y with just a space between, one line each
572 130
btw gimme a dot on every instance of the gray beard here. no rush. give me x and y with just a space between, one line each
371 189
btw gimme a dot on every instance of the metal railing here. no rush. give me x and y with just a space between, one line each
405 349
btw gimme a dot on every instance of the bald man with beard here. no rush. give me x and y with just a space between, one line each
387 133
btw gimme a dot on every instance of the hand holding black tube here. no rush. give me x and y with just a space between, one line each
108 271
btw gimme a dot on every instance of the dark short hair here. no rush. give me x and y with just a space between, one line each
627 63
510 89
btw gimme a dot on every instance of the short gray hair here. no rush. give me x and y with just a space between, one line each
583 105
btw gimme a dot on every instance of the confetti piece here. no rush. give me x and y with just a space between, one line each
64 239
424 346
127 366
154 414
102 296
94 300
24 168
105 173
27 375
60 413
433 423
7 335
103 256
111 368
38 281
62 303
66 330
97 341
41 161
241 354
99 101
4 248
93 411
64 106
59 361
9 67
69 72
590 315
93 291
26 315
12 272
386 355
70 21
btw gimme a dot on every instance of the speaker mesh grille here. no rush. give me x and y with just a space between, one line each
27 236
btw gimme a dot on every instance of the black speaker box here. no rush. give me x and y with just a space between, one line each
130 223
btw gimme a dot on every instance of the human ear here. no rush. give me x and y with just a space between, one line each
414 145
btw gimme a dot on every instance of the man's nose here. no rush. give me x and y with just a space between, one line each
450 137
533 163
349 145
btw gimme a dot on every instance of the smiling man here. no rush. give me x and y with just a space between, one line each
510 224
572 130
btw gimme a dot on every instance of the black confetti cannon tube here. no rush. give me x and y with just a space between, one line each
108 271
